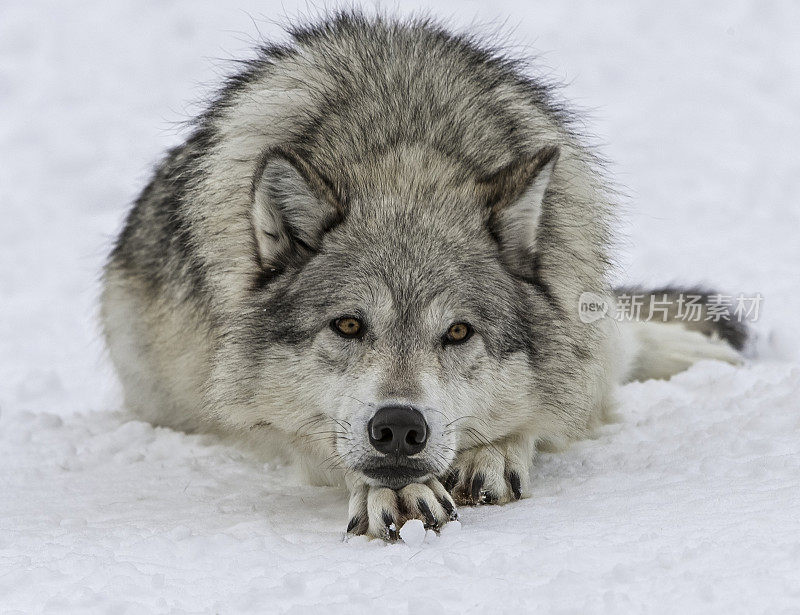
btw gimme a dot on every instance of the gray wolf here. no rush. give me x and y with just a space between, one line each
368 255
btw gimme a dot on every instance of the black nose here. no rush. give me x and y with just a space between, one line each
398 429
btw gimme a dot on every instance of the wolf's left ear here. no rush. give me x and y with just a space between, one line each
293 207
515 195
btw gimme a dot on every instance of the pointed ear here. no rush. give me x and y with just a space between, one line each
293 207
515 195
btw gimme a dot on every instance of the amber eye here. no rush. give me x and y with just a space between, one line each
347 326
458 333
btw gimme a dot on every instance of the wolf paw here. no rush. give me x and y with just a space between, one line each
380 512
491 474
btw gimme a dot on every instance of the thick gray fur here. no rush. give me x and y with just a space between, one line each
395 172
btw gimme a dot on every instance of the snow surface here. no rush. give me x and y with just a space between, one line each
689 504
413 532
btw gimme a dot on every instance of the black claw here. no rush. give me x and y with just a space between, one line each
489 497
449 509
353 523
451 480
477 483
516 485
388 521
430 519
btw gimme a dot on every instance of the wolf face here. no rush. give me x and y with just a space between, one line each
401 320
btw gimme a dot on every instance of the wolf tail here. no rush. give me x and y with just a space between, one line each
665 331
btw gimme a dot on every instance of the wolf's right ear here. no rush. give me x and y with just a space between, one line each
293 207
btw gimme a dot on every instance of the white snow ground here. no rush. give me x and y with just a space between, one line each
690 504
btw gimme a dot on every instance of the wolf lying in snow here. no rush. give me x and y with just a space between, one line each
369 254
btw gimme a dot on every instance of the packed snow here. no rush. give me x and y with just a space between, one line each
690 502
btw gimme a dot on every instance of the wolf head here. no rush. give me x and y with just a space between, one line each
394 321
